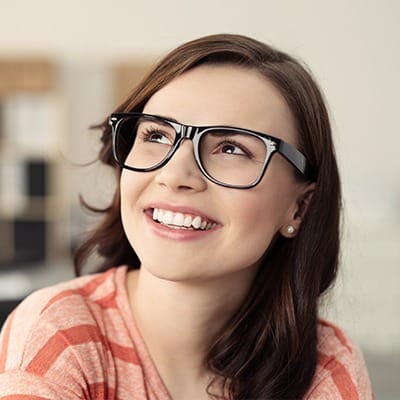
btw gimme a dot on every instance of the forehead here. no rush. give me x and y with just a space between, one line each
225 95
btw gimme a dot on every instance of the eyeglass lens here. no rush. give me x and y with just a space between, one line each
227 155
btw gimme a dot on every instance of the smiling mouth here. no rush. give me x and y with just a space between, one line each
177 220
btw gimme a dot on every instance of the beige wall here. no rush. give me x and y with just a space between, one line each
351 46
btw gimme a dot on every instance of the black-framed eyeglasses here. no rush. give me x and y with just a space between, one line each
228 156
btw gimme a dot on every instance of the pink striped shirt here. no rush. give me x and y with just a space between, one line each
78 340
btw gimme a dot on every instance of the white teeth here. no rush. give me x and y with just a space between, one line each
196 223
188 221
167 218
176 220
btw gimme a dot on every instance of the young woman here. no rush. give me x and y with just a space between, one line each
221 238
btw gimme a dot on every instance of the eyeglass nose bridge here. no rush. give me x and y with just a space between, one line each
185 132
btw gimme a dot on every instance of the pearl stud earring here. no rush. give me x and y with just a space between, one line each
290 229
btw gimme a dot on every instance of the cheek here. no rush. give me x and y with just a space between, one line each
259 226
259 216
127 198
125 208
130 188
262 211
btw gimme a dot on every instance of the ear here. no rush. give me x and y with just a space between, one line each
300 208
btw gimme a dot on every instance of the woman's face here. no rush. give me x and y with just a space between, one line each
242 223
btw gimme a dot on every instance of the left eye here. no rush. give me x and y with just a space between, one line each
230 148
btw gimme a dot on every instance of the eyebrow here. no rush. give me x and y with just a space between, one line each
171 119
166 117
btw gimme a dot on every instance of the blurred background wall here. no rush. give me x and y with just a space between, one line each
94 50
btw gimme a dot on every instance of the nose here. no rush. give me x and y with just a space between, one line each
181 172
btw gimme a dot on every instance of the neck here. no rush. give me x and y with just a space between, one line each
180 320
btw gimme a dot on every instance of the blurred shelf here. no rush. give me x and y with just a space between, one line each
19 282
22 280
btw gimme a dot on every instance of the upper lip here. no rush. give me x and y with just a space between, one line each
181 209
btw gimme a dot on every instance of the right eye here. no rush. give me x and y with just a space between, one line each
156 136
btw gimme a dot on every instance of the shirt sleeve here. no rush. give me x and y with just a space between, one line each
51 350
339 384
341 372
21 385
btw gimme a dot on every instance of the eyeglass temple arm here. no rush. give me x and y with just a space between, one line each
296 158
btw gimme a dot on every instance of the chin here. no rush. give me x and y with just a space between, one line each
171 271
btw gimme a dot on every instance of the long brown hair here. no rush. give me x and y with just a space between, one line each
269 347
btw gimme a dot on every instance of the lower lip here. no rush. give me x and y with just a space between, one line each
177 234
